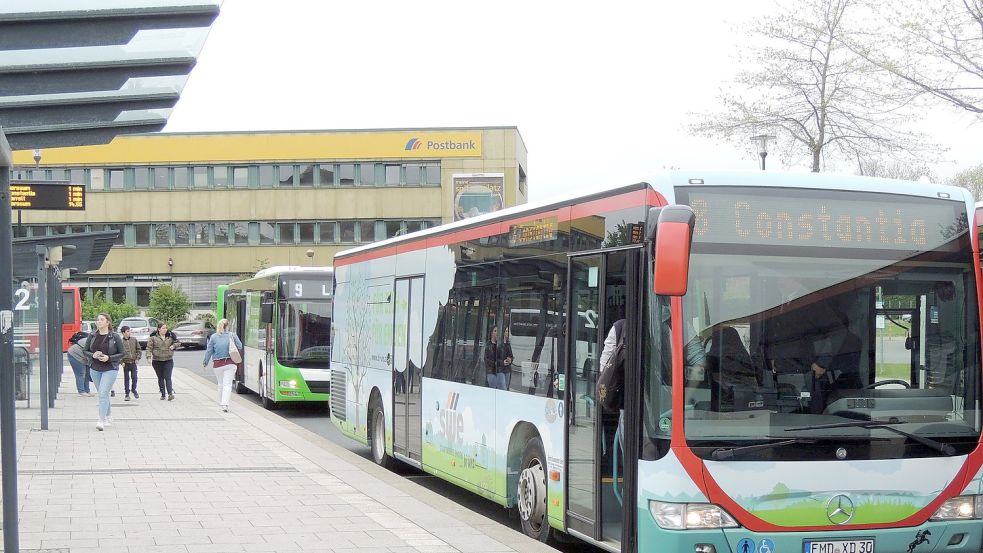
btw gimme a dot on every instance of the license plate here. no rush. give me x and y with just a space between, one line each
862 545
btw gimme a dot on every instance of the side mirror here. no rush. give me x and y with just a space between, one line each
671 249
266 313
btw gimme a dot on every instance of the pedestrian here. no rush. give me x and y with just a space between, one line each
132 354
160 351
225 368
103 351
79 363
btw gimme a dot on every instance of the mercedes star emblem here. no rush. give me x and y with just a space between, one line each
840 509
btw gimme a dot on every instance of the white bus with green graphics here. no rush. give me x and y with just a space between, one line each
283 316
765 409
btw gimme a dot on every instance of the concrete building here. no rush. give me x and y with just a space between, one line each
200 209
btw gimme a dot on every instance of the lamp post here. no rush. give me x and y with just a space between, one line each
762 141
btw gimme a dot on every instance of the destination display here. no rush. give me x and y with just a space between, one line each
306 289
834 219
47 195
532 232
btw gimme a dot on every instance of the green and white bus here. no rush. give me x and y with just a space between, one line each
283 315
763 410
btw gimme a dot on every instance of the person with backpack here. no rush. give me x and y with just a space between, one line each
160 351
224 350
133 354
103 352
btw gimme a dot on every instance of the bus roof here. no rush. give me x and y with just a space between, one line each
290 269
266 279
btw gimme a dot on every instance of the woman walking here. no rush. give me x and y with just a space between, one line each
79 363
222 363
103 352
160 351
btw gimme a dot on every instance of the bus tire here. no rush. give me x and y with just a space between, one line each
377 438
531 492
238 387
269 404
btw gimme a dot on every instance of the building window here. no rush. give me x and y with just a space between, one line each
78 229
220 176
222 234
366 174
433 174
393 228
413 226
143 296
162 178
347 174
347 232
522 182
240 177
414 174
141 178
201 177
306 232
240 236
326 230
182 234
120 236
307 175
180 177
20 231
366 231
266 176
287 232
141 234
117 178
77 176
392 174
162 234
286 175
119 294
326 174
267 233
203 234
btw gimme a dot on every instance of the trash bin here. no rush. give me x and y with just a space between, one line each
22 371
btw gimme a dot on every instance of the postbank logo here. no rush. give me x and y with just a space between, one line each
451 420
441 145
413 144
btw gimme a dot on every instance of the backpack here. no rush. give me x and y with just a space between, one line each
234 354
610 387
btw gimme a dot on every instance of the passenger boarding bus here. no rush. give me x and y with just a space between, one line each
283 316
763 409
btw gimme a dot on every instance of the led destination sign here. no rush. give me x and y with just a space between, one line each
297 289
837 219
532 232
47 195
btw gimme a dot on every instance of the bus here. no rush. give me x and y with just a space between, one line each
759 414
71 314
283 316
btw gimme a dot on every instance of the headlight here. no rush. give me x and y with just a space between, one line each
690 516
288 384
963 507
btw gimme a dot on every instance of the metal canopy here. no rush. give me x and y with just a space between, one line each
81 72
91 249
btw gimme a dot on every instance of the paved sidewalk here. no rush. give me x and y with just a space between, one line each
182 476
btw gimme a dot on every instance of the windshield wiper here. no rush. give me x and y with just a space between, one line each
722 453
928 442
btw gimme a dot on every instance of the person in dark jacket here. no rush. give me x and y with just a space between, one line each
103 351
130 358
160 351
497 363
79 363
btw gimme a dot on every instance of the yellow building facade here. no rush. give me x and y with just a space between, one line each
200 209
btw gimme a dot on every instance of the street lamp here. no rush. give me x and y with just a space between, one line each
37 158
762 141
310 253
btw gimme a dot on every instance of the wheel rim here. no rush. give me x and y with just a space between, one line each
532 494
378 437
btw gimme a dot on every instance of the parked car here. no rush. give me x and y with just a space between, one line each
88 327
194 333
140 328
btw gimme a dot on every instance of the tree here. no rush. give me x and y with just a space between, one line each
168 304
820 98
934 48
358 337
893 170
99 304
971 179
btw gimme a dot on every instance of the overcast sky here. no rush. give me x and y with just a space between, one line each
599 92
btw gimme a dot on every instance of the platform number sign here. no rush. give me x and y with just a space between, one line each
22 295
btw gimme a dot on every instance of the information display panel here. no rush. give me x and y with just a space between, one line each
62 196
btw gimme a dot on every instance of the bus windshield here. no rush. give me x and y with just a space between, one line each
305 333
830 321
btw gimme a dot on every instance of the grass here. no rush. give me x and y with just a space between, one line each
899 371
813 513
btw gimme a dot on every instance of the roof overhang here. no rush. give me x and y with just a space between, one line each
91 249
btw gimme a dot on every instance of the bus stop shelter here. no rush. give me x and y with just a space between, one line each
78 72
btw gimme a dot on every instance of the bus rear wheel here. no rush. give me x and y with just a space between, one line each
531 492
377 437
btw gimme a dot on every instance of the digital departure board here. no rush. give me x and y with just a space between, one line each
791 217
301 289
532 232
47 195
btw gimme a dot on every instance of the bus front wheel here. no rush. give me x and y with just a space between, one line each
378 438
531 493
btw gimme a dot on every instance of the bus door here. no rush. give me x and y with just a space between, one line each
604 287
407 369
